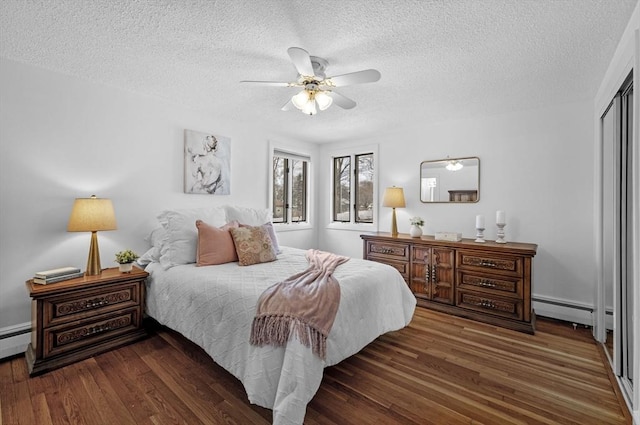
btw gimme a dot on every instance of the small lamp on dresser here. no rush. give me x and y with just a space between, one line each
393 198
92 215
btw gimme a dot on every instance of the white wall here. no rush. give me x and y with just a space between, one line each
536 165
62 138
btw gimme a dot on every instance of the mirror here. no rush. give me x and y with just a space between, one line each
450 180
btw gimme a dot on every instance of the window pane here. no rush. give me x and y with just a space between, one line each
364 188
342 188
279 189
299 191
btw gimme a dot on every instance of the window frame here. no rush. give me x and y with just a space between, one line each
353 223
290 154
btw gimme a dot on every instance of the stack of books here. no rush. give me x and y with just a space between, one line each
56 275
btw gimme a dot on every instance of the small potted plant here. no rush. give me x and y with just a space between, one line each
125 260
416 227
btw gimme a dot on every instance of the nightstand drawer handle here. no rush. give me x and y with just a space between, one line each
95 303
487 263
97 329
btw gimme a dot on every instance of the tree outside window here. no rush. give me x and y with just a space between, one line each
353 197
290 183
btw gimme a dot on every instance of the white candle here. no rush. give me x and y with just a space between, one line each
479 222
501 217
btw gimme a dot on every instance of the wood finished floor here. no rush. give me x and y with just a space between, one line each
439 370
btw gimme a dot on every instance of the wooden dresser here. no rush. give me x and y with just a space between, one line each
78 318
488 282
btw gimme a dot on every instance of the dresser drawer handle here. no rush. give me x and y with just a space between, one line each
487 304
487 284
486 263
386 251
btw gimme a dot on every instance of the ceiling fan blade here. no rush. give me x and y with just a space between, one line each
358 77
342 101
301 60
287 106
271 83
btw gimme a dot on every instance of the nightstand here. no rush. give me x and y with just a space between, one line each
79 318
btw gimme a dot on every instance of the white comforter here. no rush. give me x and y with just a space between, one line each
214 307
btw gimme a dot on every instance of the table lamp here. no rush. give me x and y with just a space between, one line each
394 198
91 215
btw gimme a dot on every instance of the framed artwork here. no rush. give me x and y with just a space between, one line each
207 163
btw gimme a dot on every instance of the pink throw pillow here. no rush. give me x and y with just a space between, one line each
215 245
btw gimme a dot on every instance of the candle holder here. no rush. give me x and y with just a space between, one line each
479 235
501 233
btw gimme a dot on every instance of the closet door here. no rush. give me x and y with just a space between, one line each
617 213
626 248
609 135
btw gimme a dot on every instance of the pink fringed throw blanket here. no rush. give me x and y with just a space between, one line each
304 305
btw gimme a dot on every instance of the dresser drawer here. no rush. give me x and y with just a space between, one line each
491 284
485 261
91 302
489 304
402 267
379 249
73 336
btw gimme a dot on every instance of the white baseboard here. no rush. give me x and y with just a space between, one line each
569 311
16 344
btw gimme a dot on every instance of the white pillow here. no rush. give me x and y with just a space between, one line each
180 242
254 217
248 216
151 256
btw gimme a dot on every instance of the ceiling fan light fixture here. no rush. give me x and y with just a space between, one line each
323 99
301 99
310 107
454 165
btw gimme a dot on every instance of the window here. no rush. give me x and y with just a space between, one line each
353 188
290 187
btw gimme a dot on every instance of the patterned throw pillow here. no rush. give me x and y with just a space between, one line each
253 245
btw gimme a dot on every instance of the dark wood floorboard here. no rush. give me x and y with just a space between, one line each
439 370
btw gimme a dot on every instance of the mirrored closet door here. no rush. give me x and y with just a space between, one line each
617 131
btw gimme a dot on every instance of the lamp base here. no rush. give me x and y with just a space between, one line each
394 223
93 262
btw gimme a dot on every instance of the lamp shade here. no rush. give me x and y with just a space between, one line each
324 100
301 99
393 197
91 215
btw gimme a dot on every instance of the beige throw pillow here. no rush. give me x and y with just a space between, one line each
253 245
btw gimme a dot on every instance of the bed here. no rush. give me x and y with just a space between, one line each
214 307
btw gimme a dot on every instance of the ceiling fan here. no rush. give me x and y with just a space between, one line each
317 88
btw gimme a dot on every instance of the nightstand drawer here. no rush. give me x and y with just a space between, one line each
492 284
90 302
485 303
73 336
387 250
502 263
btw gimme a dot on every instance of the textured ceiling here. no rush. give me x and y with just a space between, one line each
440 60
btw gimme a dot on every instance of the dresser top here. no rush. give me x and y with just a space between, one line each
514 247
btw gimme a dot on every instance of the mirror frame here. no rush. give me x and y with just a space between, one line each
444 161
